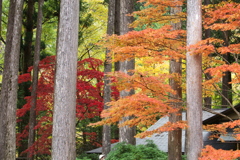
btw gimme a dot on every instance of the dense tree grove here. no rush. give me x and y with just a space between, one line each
80 74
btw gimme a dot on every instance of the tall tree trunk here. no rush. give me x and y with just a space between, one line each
226 87
1 39
64 116
106 140
175 137
126 133
25 63
207 34
227 78
32 118
0 22
194 81
27 50
117 28
8 99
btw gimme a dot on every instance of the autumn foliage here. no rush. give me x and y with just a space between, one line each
89 100
225 18
154 46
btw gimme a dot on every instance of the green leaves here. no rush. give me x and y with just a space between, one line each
123 151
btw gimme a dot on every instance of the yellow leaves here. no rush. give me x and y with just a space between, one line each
146 65
210 61
92 34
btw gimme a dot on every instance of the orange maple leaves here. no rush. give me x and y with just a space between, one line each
158 11
155 46
161 44
209 153
223 16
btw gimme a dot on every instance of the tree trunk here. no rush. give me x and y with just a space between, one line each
32 119
117 28
175 137
106 141
1 39
64 116
227 78
25 63
8 99
27 50
0 22
194 81
126 133
207 34
226 87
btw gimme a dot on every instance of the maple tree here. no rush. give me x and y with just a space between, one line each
89 100
153 47
221 17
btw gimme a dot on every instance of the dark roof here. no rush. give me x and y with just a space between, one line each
215 118
229 137
99 150
161 140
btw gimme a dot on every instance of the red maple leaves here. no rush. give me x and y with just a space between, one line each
89 99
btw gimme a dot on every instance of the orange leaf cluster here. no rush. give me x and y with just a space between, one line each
218 72
223 16
209 153
158 12
154 46
165 128
162 44
150 101
221 128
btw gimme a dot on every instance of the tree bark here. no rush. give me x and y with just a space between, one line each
126 133
106 141
25 62
0 22
64 116
27 50
194 81
32 118
207 34
8 99
227 78
226 87
175 137
117 28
